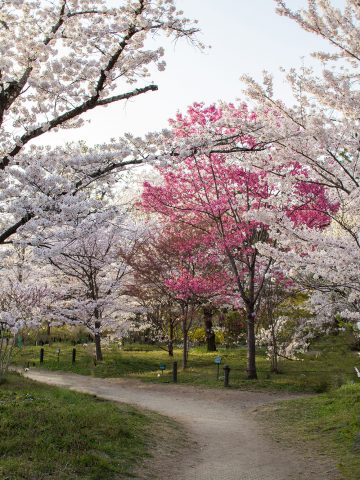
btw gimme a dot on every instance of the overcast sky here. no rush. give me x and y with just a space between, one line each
246 36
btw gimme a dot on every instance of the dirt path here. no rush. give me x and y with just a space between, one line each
228 443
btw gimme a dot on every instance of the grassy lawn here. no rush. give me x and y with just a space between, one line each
328 424
329 364
53 433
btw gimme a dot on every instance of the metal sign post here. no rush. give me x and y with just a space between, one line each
217 362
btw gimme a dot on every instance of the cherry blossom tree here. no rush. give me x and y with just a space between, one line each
89 280
25 299
222 198
59 60
20 306
321 133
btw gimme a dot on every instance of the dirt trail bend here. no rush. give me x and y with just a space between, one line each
228 443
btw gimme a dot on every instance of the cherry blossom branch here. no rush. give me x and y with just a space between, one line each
94 102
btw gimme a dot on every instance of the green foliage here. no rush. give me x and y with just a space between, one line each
197 335
294 306
234 325
283 303
219 336
76 334
48 432
328 424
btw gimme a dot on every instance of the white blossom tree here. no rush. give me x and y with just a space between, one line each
25 299
89 278
59 60
319 134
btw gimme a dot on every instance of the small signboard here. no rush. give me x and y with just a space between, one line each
217 362
162 366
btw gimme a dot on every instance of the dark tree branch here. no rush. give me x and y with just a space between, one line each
75 112
14 228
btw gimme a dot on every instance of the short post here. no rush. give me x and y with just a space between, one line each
58 354
226 375
174 372
41 355
73 355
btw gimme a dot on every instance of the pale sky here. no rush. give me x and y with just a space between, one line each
246 36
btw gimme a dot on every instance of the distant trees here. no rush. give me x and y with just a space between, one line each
151 266
89 278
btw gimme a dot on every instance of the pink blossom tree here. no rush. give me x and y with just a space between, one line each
173 265
224 200
150 264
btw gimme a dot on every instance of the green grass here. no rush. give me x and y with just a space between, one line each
53 433
329 364
328 424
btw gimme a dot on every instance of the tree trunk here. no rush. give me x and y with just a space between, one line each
274 356
209 332
171 340
48 331
97 338
185 349
251 362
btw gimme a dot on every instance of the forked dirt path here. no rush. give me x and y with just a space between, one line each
226 442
